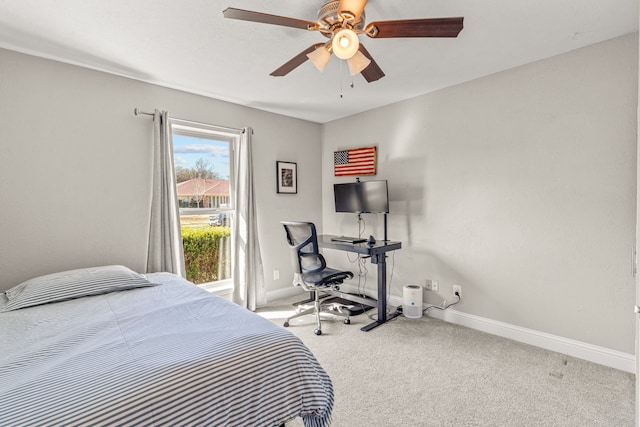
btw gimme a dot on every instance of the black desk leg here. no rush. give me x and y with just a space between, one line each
380 259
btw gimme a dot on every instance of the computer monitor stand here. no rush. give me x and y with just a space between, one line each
385 228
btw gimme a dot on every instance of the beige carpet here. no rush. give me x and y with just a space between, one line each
425 372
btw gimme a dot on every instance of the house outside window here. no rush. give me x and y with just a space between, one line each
203 158
203 193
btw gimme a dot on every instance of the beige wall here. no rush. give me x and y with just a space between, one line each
519 186
75 167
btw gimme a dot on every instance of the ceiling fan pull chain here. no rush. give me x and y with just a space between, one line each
341 79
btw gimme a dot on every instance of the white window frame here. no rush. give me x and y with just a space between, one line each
232 136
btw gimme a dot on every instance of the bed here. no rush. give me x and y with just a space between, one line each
85 348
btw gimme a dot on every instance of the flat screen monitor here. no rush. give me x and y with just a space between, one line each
362 197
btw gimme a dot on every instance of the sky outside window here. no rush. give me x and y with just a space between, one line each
187 150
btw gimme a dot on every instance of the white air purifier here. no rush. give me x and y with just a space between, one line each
412 301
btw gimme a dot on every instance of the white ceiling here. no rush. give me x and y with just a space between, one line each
188 45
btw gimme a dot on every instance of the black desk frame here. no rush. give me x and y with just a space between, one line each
378 253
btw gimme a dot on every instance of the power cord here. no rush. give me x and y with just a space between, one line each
445 307
390 281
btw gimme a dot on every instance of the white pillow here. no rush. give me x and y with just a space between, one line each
72 284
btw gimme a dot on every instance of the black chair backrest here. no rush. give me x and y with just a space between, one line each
303 241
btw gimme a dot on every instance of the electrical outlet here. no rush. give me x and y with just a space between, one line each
457 289
276 274
434 285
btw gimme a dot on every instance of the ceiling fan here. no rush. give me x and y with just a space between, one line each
342 21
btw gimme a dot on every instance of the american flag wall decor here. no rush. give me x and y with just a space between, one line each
355 162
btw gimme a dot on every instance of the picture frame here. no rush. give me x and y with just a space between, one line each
286 177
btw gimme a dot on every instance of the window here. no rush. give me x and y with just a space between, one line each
203 159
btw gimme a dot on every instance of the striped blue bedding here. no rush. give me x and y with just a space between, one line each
168 355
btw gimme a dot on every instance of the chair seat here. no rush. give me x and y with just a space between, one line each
326 277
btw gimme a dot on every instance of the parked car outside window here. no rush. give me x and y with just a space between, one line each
219 220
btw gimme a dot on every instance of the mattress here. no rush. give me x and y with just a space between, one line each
165 355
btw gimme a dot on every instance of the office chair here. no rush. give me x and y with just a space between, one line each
311 272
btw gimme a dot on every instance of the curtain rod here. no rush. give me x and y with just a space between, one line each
138 111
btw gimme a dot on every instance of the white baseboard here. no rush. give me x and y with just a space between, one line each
592 353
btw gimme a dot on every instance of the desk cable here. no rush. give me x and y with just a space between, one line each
360 260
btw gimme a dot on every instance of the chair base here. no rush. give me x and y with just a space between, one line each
318 308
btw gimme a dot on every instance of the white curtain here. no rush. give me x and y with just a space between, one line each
165 252
248 275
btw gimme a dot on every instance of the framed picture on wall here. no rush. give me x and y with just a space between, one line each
287 177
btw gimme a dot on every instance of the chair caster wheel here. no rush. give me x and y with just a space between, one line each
317 332
347 321
286 324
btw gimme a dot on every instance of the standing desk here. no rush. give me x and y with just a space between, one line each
378 253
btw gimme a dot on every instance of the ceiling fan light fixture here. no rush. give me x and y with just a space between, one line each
320 57
345 43
357 63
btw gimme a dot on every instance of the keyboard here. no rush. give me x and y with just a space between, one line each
345 239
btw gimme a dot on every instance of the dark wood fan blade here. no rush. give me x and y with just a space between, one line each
265 18
373 72
295 62
352 7
429 27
